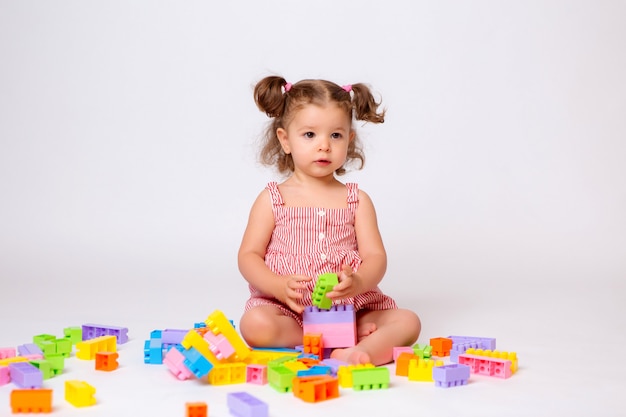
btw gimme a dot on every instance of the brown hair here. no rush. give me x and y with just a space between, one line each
280 100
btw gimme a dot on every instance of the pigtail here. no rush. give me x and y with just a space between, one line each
269 96
365 105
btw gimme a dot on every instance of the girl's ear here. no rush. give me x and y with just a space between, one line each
282 138
352 135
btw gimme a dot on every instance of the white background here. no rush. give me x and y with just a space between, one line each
128 164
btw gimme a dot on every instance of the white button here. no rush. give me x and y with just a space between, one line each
323 256
321 213
322 236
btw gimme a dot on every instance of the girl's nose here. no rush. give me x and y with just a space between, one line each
324 144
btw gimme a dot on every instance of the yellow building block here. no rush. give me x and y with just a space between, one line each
295 366
219 324
87 349
422 369
80 393
511 356
262 356
13 359
344 373
228 373
193 339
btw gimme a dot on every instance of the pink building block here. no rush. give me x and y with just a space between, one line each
256 374
485 365
400 349
334 335
219 345
7 352
174 360
5 375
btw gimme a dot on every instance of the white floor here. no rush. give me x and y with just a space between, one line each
569 339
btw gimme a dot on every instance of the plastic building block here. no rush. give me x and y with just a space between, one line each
324 284
25 375
256 374
106 361
264 356
334 365
342 313
451 375
219 345
337 325
172 336
316 370
196 362
482 342
228 373
196 409
280 378
344 373
485 365
312 343
422 369
314 389
401 349
402 363
219 324
153 351
441 346
87 349
193 339
242 404
175 362
44 366
7 352
295 366
37 400
7 361
74 334
92 331
29 349
5 375
423 351
57 363
79 393
370 378
511 356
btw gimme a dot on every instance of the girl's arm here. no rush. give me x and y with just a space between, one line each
251 257
371 250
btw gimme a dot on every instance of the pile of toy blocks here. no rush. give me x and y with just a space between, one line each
28 366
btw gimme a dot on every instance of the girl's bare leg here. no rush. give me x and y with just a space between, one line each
267 326
392 328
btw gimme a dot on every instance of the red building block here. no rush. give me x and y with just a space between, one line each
106 361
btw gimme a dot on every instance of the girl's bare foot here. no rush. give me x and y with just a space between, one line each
352 355
365 329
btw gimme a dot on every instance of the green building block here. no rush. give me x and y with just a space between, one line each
57 363
370 378
74 334
325 284
423 351
44 366
280 378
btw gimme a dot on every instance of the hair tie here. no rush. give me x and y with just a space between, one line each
287 87
347 88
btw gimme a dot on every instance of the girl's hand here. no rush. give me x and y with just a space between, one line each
349 284
291 293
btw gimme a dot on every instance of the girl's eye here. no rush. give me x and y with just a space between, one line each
309 135
336 136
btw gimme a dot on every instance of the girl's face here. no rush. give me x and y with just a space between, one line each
317 138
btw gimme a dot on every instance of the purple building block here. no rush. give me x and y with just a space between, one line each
29 349
337 314
483 342
173 336
451 375
91 331
242 404
334 365
25 375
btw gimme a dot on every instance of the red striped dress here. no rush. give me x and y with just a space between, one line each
311 241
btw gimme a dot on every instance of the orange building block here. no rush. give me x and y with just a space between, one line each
402 363
106 361
37 400
197 409
312 343
441 346
314 389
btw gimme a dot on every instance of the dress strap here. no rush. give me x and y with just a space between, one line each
353 194
277 198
